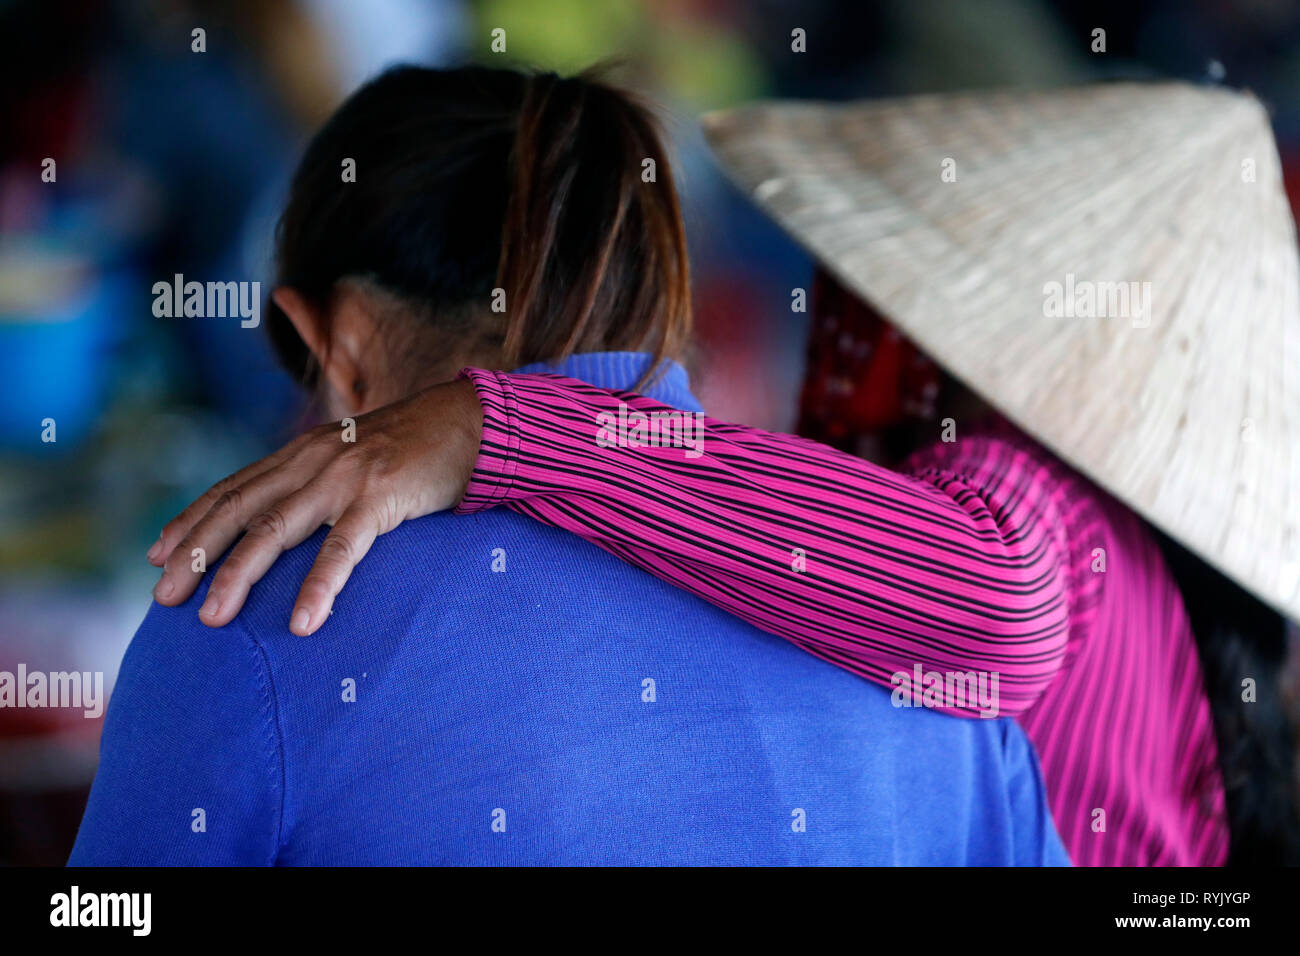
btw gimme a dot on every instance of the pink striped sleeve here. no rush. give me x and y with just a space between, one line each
960 568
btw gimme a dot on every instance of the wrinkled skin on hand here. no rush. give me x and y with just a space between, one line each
409 459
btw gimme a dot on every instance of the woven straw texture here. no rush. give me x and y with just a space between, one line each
1187 410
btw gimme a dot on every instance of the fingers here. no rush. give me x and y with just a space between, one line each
283 525
215 530
176 529
343 548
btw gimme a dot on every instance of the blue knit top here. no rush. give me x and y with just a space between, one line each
490 690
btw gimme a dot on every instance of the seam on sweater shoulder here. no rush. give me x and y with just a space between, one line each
274 737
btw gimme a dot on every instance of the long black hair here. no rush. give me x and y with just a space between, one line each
1239 637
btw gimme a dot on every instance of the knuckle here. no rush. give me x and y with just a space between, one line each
384 512
222 487
338 548
271 524
382 467
358 455
229 503
341 469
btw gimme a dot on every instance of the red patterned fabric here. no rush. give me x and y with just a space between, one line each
863 375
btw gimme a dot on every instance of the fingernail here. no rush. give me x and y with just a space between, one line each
301 618
163 589
211 605
156 550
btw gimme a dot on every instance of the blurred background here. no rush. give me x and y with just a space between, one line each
172 161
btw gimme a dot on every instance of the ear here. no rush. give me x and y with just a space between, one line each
335 340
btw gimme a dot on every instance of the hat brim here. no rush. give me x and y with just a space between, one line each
1114 268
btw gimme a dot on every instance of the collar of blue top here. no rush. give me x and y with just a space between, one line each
622 370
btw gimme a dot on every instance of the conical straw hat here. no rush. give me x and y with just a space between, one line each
978 223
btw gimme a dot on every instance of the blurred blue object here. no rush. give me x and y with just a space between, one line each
54 360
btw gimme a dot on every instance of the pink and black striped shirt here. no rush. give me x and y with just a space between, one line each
985 555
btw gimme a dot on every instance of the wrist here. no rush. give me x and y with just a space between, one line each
467 432
497 441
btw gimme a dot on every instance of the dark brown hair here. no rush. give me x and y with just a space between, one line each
476 179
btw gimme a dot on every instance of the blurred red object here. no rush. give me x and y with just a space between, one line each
863 375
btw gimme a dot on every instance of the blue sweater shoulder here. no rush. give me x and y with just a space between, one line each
193 767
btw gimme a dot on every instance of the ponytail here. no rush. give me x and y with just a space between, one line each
593 252
477 179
